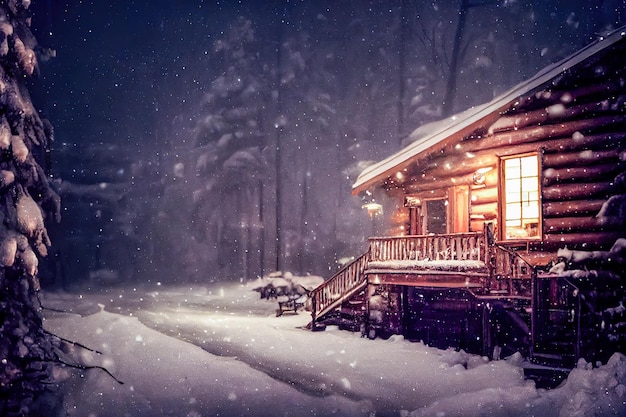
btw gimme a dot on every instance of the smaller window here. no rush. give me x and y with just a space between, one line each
436 216
521 197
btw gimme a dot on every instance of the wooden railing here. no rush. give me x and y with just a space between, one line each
338 288
508 263
448 247
509 273
505 267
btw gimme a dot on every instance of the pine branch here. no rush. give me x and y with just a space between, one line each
71 342
48 308
85 368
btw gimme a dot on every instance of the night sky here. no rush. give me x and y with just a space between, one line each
117 61
121 67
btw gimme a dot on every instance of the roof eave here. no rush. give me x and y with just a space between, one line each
378 173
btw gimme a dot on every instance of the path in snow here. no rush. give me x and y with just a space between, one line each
253 363
392 375
164 376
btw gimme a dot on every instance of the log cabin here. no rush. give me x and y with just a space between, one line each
507 224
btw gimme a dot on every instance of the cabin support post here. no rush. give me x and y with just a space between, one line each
313 312
366 326
486 328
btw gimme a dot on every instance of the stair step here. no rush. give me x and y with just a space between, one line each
553 359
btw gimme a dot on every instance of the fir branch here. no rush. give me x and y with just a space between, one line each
48 308
71 342
85 368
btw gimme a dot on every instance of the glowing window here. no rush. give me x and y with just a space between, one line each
521 197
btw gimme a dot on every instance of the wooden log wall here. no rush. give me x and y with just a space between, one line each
483 205
579 178
574 191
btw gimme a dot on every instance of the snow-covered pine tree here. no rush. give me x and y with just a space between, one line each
25 199
229 144
308 120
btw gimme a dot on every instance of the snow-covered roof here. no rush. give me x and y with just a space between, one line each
441 132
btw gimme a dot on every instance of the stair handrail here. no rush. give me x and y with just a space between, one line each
509 263
576 314
335 290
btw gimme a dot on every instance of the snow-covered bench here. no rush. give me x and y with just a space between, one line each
291 304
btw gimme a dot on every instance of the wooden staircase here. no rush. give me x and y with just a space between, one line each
572 318
556 322
340 288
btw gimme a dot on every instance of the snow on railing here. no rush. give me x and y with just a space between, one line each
444 247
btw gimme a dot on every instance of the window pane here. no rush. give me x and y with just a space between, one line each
513 211
529 184
436 218
514 197
513 163
530 211
529 166
511 170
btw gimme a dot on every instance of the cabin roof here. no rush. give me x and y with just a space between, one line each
435 136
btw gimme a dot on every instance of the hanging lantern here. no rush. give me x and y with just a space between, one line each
373 209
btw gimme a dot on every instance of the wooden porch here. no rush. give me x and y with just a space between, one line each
473 261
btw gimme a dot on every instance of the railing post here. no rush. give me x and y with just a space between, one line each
489 255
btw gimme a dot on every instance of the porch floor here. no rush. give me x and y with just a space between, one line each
426 278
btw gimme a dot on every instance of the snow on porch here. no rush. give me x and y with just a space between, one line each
451 265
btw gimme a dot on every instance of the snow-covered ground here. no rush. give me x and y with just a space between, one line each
221 351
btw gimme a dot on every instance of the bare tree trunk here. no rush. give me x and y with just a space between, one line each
303 215
448 103
262 231
402 68
279 186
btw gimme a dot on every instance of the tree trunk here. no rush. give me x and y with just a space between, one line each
448 106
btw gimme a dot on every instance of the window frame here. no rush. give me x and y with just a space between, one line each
502 190
456 200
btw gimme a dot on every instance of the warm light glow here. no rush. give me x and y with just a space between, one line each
373 209
479 175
